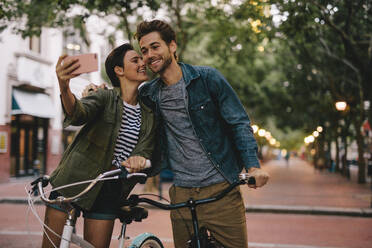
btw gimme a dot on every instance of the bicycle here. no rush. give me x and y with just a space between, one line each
201 237
126 216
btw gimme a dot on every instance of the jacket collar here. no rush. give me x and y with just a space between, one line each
118 91
189 73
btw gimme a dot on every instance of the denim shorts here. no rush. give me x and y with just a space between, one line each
107 204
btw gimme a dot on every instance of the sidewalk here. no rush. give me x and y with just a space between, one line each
299 188
296 188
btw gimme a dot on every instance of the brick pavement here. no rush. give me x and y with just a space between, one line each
297 188
294 188
300 188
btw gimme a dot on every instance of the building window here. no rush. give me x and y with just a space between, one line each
73 43
35 44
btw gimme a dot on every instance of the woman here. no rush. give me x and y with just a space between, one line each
118 131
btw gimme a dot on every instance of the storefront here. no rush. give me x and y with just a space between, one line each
30 112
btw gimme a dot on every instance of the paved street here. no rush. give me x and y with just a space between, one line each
300 185
328 204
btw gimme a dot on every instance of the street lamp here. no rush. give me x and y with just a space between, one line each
309 139
255 128
261 132
341 105
268 135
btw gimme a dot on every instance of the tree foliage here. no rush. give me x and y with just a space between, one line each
289 64
32 15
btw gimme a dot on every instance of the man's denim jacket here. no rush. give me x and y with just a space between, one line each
217 116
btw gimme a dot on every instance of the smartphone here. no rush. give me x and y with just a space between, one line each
88 63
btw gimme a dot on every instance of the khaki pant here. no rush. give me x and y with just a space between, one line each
225 218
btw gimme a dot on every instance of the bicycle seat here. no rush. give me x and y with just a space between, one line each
128 214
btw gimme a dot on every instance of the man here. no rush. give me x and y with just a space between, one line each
204 136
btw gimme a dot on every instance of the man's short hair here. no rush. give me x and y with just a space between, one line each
116 58
165 30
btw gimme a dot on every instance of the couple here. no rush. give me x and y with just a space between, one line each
189 119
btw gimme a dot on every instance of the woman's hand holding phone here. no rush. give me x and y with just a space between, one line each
64 71
69 67
88 63
72 66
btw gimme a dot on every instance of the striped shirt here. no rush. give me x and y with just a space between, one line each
128 133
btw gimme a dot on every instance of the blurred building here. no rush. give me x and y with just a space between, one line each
31 135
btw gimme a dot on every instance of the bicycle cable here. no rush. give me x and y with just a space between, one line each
31 199
31 206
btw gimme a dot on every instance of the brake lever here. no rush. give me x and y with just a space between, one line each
250 180
124 173
132 200
44 180
127 173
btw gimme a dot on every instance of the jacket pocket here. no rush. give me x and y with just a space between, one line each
205 113
202 106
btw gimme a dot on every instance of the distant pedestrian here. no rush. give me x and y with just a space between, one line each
287 157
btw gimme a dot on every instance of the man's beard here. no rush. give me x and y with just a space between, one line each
166 64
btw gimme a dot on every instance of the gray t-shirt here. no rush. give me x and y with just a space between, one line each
188 160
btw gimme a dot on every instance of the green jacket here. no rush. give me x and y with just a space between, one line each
91 151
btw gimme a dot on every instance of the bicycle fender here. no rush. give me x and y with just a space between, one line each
137 241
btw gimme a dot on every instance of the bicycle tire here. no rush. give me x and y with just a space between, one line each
151 242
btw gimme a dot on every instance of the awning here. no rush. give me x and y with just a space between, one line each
30 103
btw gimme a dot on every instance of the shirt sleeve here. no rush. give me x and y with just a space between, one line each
85 109
234 114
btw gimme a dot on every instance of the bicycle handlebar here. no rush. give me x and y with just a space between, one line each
244 178
116 174
121 172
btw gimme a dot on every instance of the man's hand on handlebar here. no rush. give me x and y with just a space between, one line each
135 164
260 175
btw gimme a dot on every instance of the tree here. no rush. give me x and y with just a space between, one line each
340 34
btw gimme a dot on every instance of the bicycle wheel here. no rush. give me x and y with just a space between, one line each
151 242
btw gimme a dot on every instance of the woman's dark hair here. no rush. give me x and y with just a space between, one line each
164 29
115 58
